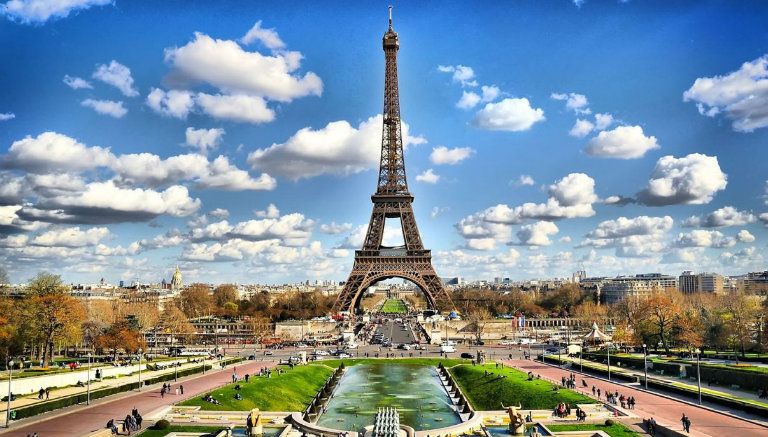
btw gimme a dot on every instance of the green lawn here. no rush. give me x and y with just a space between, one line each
291 391
489 392
394 306
615 430
209 430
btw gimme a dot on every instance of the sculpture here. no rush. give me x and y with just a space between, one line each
516 421
253 424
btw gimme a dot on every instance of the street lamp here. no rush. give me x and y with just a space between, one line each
608 349
581 352
140 369
645 364
698 372
8 409
88 390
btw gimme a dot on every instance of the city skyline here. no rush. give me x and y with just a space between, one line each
242 142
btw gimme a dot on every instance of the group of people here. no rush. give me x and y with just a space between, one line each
211 399
569 382
44 392
132 422
167 389
562 410
615 398
763 393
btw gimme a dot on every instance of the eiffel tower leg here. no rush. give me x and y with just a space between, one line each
440 299
348 296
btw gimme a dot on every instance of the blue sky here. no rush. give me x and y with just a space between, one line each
238 139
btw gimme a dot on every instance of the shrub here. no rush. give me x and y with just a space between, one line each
162 424
609 422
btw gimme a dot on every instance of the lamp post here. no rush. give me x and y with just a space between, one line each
581 352
8 409
645 364
698 372
88 390
608 349
140 369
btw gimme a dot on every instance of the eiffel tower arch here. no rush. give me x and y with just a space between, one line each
392 200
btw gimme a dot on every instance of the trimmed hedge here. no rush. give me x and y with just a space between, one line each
615 374
671 369
81 398
745 379
694 394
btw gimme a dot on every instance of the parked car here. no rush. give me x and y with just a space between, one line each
467 355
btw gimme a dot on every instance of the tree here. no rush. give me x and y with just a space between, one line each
175 322
224 293
661 317
195 301
743 311
54 312
119 336
478 318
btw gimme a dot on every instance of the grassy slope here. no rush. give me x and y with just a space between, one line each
488 392
615 430
163 432
394 306
291 391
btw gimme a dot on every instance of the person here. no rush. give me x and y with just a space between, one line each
181 388
40 393
687 424
162 391
111 426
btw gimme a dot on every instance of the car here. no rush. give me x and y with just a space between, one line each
268 353
251 357
321 353
506 342
446 348
351 345
466 355
405 347
344 355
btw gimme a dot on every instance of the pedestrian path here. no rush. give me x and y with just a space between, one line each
30 399
81 420
665 410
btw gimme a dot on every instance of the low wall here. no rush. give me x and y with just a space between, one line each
297 420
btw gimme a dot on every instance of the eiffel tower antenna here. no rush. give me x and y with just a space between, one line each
411 261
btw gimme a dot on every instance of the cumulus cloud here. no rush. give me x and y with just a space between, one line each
5 116
523 180
71 237
222 175
437 211
428 176
334 228
270 212
225 65
268 37
338 148
117 75
704 238
77 83
513 115
575 102
53 151
725 216
603 120
173 103
204 139
623 142
745 236
741 95
106 107
460 74
537 234
236 107
40 11
442 155
581 128
470 99
692 179
634 237
219 213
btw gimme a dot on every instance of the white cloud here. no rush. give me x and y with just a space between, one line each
437 211
268 37
428 176
442 155
71 237
581 128
117 75
53 151
704 238
338 148
393 236
692 179
537 234
8 214
764 218
173 103
225 65
524 180
510 114
222 175
219 213
236 107
40 11
577 103
746 259
624 227
106 107
745 236
461 74
602 121
742 95
334 228
565 239
77 83
725 216
270 212
623 142
5 116
204 139
468 100
489 93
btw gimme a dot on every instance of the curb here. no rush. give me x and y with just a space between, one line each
641 389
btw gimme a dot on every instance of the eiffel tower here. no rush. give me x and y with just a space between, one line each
376 262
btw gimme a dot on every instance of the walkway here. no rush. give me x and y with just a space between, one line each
666 411
81 420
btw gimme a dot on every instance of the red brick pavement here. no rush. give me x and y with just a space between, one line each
666 411
82 420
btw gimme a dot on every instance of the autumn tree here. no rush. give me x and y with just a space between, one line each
174 322
119 336
195 301
54 312
741 318
477 319
224 293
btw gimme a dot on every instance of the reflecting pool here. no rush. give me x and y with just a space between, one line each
415 390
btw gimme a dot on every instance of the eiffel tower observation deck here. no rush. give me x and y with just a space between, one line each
376 262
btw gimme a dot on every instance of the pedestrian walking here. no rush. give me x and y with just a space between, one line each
181 387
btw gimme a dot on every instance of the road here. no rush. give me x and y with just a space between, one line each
81 420
666 411
396 332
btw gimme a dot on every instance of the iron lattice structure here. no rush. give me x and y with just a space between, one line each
376 262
